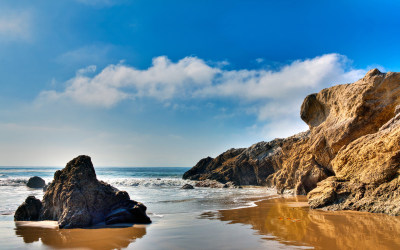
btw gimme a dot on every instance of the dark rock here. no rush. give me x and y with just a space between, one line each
36 182
187 186
45 187
209 184
135 214
29 210
76 199
250 166
214 184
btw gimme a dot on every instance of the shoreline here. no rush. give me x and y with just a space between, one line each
273 222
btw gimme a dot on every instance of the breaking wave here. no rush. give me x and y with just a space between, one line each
146 182
122 182
13 182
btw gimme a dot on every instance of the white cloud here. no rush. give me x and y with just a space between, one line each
15 25
270 94
260 60
164 80
274 97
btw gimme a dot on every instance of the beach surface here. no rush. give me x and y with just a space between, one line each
279 223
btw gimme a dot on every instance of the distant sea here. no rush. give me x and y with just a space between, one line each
159 188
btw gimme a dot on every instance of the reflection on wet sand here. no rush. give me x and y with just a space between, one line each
102 238
291 223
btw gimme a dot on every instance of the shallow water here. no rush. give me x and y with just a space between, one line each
203 218
291 222
158 188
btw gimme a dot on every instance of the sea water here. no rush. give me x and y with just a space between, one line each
159 188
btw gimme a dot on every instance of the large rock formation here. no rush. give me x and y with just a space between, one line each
283 163
367 174
76 198
352 138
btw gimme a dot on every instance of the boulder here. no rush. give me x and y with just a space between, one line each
29 210
187 186
36 182
209 184
76 199
136 213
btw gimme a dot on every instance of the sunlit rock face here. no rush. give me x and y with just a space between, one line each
353 140
367 174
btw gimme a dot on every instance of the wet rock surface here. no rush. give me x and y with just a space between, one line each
187 186
75 198
36 182
29 210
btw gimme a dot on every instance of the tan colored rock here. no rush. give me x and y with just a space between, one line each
353 137
350 111
367 174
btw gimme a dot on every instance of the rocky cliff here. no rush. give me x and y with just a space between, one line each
351 150
75 198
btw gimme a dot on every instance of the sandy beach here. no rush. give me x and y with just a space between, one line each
285 223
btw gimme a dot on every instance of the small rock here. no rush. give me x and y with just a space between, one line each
209 183
36 182
29 210
187 186
135 214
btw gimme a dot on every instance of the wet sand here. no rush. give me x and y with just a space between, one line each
284 223
291 222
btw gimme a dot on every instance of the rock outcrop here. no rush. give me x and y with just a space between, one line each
367 174
36 182
351 150
75 198
29 210
187 186
282 163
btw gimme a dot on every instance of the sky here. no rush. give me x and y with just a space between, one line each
166 83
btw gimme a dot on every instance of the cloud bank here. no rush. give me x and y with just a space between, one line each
269 94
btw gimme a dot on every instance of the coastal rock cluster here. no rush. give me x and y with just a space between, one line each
348 159
75 198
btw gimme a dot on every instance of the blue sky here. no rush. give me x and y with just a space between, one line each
166 83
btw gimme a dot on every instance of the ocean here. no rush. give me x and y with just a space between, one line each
201 218
159 188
